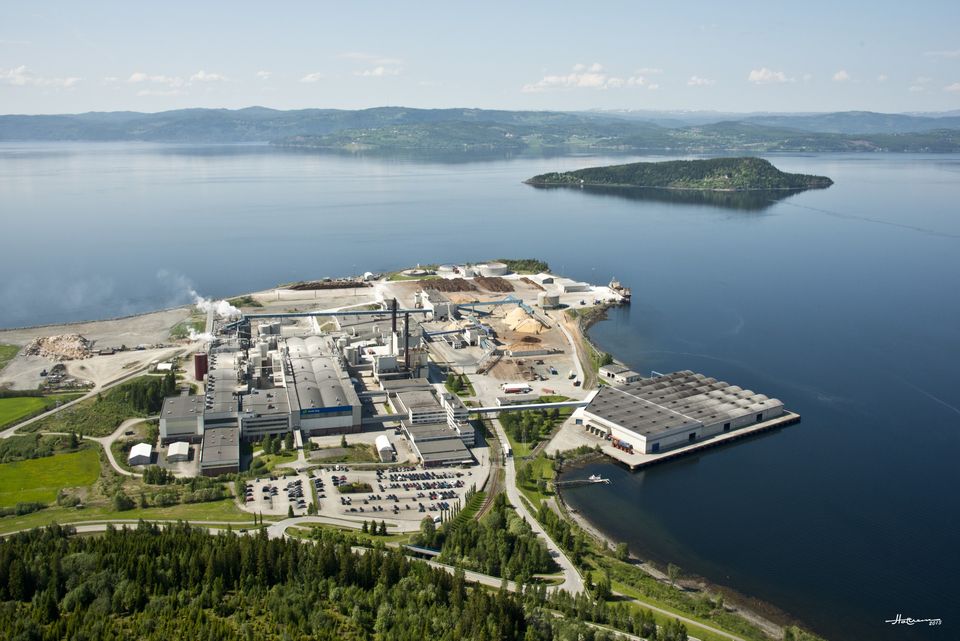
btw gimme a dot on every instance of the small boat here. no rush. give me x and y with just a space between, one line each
594 477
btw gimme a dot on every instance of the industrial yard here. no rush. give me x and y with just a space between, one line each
362 397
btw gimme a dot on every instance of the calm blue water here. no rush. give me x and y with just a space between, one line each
843 303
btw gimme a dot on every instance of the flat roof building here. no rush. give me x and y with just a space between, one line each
322 398
220 453
181 418
656 414
619 374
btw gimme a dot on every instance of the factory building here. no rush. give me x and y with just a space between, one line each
618 374
322 398
140 454
220 452
426 404
439 306
664 412
436 444
181 419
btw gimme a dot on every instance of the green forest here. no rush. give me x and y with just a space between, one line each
182 583
708 174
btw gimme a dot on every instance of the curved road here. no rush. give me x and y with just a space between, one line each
572 581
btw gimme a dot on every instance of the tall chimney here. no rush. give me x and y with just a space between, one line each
393 307
406 340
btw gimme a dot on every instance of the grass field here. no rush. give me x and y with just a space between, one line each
7 352
40 479
225 510
18 408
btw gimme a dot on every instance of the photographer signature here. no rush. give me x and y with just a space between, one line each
902 620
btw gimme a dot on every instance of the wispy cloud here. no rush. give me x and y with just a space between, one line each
161 92
140 77
204 76
948 53
316 76
919 84
841 76
882 77
377 66
955 87
264 75
22 77
584 76
697 81
378 71
765 76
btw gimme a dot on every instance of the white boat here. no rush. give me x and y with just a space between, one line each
594 477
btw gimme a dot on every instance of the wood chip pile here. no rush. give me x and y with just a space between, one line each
450 285
494 283
62 347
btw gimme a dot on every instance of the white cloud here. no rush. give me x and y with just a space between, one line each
583 76
22 77
955 87
765 76
915 88
649 71
949 53
919 84
139 77
653 86
882 77
807 77
697 81
378 72
841 76
264 75
203 76
313 77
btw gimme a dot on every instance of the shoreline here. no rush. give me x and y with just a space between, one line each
766 616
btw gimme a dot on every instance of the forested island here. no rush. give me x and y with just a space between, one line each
712 174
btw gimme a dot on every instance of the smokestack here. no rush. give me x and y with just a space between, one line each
406 340
393 307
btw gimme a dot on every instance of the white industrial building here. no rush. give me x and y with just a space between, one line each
384 449
440 307
619 374
664 412
140 454
178 452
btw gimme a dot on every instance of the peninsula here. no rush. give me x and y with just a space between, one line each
712 174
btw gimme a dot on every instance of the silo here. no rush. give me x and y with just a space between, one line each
200 365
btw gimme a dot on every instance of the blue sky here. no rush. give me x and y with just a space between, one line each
59 57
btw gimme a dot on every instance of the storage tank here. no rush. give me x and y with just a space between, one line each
494 269
200 365
446 270
548 300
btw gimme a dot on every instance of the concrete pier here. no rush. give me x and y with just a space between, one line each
637 461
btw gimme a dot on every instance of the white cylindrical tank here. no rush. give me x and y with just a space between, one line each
494 269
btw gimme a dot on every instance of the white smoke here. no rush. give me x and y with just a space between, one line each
200 336
221 308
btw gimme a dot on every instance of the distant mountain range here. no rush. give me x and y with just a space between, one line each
393 129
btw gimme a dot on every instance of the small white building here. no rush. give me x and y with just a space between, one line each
618 374
385 449
178 452
140 454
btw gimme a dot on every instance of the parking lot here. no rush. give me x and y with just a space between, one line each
399 493
274 495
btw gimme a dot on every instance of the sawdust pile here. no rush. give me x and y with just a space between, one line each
494 283
62 347
533 283
451 285
519 321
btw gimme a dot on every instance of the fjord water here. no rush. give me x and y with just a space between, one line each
842 302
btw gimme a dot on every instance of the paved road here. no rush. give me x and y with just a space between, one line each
572 581
107 441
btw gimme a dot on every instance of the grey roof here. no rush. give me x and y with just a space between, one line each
175 407
615 369
267 401
681 400
221 446
318 379
446 450
423 432
418 399
399 384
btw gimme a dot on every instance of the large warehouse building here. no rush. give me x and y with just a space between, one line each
664 412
